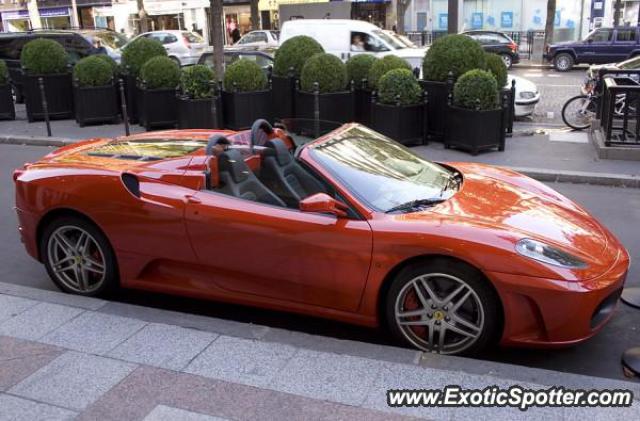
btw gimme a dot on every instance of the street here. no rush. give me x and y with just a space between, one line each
617 208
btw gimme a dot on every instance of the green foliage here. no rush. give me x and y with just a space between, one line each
160 73
4 73
326 69
399 86
358 67
195 81
92 71
244 76
476 89
382 66
293 53
496 66
455 53
139 51
44 56
111 62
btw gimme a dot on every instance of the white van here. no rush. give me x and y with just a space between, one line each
345 38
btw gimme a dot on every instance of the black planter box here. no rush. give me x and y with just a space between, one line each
95 104
336 106
283 91
58 93
437 96
405 124
131 96
159 108
198 113
473 131
241 109
7 110
362 106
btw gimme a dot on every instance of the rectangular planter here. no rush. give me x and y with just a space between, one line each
241 109
335 107
473 131
404 124
58 94
7 110
283 96
199 113
437 96
362 106
159 108
96 104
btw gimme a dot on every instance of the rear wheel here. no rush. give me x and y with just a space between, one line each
563 62
578 112
508 61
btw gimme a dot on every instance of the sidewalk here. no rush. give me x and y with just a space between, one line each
68 357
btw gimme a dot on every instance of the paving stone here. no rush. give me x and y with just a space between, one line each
94 333
165 346
56 297
13 408
19 359
338 378
73 380
240 360
38 320
11 306
167 413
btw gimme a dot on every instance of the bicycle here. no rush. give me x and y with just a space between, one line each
579 111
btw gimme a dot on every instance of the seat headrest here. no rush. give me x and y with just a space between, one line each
281 152
232 162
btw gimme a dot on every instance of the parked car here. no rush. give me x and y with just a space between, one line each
344 38
452 258
592 72
77 43
263 58
498 43
603 45
527 95
402 38
254 39
183 47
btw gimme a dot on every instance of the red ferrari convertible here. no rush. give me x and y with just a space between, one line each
450 257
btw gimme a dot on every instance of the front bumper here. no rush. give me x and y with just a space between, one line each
526 107
551 313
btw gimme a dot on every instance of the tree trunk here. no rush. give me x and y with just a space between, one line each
401 8
452 16
142 15
551 17
216 36
255 15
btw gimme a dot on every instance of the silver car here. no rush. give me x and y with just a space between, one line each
184 47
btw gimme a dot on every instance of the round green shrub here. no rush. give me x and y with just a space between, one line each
244 76
358 67
455 53
160 73
326 69
92 71
382 66
195 81
111 62
4 73
44 56
496 66
399 86
293 53
476 89
139 51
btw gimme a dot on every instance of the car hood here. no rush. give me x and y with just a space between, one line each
563 43
522 84
505 200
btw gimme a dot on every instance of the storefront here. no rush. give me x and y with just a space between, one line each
373 11
165 16
51 18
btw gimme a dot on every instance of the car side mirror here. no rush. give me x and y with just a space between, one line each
322 202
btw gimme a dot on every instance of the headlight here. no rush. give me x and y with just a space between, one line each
546 253
527 95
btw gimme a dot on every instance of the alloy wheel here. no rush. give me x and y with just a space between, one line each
506 58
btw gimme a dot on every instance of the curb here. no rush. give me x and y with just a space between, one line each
35 141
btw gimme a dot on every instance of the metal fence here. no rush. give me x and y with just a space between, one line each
619 111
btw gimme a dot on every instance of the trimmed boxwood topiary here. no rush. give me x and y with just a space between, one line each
111 62
382 66
476 90
138 52
4 73
160 73
358 67
44 56
327 70
92 71
195 81
496 66
399 87
455 53
244 76
293 53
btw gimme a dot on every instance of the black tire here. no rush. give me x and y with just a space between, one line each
487 298
568 106
563 62
507 60
109 283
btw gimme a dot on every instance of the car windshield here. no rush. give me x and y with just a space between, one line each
379 171
193 37
109 39
392 41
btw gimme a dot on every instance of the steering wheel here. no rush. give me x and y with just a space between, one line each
261 131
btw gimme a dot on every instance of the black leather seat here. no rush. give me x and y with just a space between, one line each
238 180
284 176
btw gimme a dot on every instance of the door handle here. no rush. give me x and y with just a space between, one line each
190 198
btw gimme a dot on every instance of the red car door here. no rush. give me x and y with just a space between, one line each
268 251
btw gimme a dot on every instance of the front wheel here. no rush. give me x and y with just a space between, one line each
443 306
578 112
563 62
